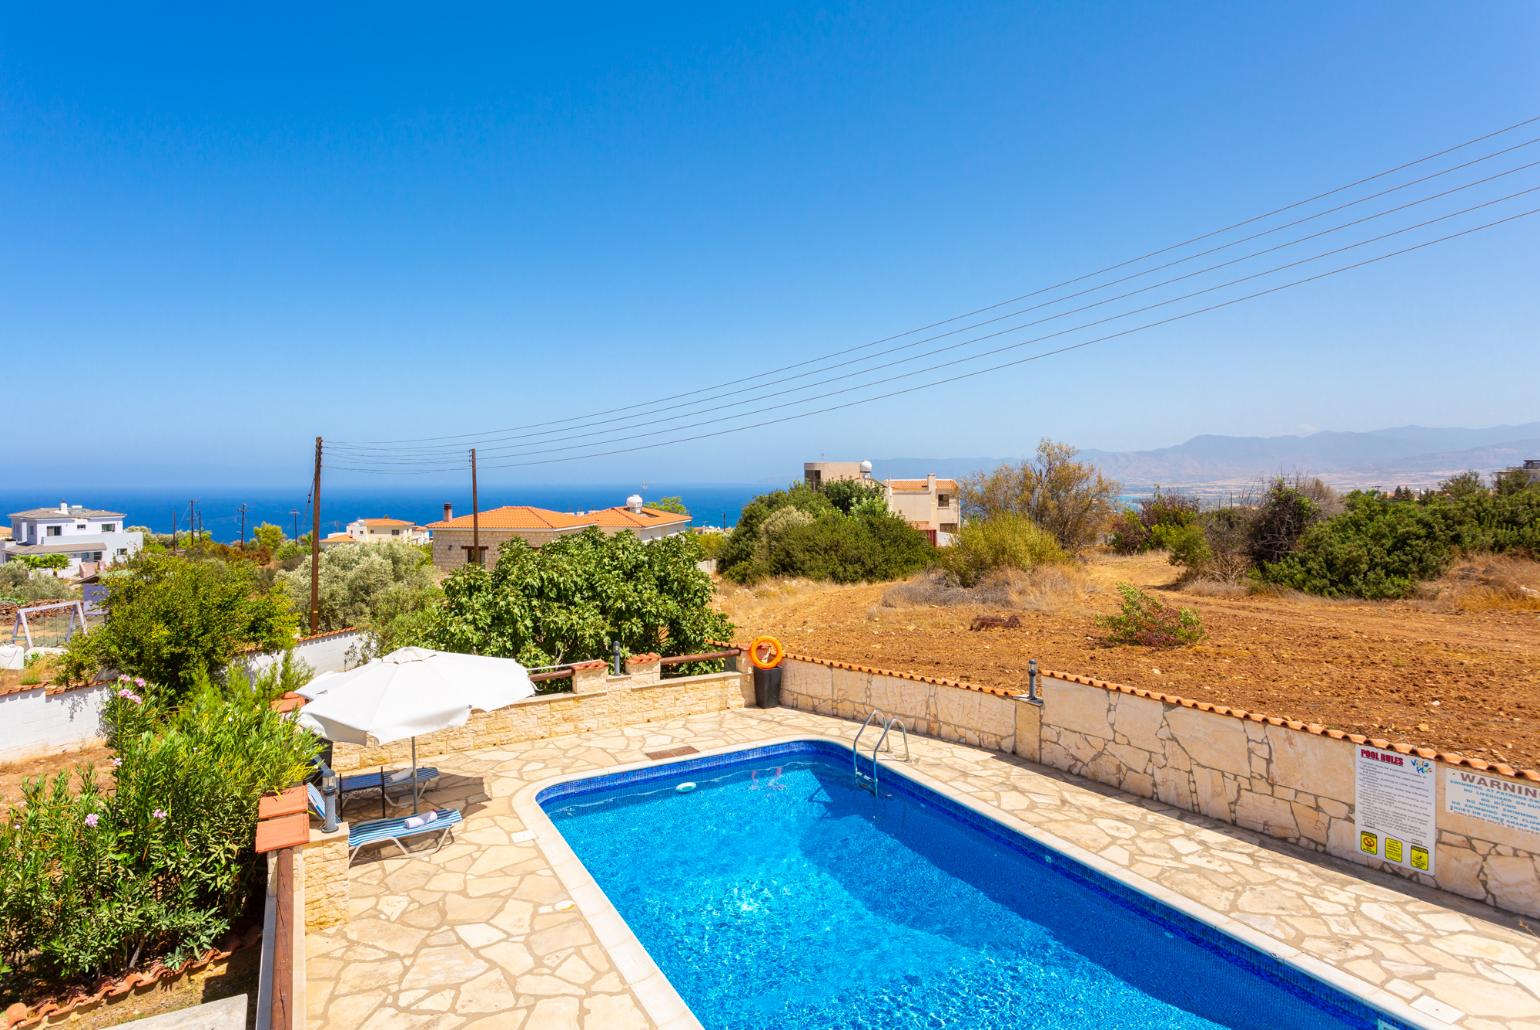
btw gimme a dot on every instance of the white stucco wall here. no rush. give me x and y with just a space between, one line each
329 652
36 721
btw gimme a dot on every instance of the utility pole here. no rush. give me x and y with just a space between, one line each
243 523
315 544
295 512
174 516
475 512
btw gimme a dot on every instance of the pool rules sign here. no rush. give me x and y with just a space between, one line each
1396 808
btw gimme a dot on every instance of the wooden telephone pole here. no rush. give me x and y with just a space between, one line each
243 523
475 512
315 544
473 552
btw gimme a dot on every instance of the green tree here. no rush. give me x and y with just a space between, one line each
569 599
268 537
849 494
673 504
174 618
365 585
1070 499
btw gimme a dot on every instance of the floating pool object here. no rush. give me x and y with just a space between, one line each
685 787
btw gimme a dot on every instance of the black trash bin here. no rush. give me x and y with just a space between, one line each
767 687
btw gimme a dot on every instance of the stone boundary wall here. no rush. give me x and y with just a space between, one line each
1282 778
598 702
41 720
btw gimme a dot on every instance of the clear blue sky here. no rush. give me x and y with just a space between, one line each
225 231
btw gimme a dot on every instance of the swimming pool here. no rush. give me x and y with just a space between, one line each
775 892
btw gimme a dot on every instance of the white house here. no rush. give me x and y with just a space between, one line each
378 531
81 534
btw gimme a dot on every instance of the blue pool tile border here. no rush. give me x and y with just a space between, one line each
1332 1000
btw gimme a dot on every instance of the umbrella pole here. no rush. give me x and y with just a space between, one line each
414 775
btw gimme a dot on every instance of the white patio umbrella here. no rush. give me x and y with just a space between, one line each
409 692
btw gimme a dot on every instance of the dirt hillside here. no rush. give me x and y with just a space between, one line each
1424 672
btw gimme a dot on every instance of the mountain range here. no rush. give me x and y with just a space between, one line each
1405 455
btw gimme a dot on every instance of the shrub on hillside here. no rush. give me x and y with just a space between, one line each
711 544
848 494
569 599
1133 529
1002 541
157 862
1070 499
1279 521
859 548
1145 621
801 531
1378 548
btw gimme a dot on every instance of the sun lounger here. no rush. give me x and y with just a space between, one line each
377 831
392 784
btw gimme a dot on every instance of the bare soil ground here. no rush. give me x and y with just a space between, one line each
1442 672
14 774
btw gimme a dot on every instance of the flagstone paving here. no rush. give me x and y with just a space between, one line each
484 934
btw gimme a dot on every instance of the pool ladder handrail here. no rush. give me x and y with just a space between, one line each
855 748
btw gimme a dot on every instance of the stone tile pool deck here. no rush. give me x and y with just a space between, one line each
485 933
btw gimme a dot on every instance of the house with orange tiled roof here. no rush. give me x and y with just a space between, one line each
376 531
453 536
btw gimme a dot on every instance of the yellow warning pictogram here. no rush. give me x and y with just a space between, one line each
1368 843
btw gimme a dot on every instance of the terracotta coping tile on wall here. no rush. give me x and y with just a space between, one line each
1401 747
286 831
592 663
644 659
19 1016
287 802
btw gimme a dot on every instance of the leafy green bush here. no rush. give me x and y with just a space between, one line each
568 599
1378 548
1187 545
801 531
711 544
1133 529
157 863
849 494
176 620
1279 521
860 548
1003 541
1145 621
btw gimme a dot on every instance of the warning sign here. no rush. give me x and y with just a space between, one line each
1396 808
1504 802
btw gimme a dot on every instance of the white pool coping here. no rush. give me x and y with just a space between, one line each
663 1005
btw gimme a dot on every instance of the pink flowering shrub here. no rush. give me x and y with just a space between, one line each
100 881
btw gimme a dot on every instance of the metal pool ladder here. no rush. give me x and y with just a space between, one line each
870 782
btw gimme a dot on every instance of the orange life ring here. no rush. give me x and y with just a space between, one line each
766 642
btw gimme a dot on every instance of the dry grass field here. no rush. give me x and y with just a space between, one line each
1457 669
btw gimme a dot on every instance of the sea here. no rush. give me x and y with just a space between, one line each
219 509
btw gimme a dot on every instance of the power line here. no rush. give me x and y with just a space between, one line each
405 467
439 452
534 444
1032 357
740 381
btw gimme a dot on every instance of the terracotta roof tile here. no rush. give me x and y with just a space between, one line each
523 516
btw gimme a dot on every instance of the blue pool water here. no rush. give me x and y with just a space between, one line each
777 893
